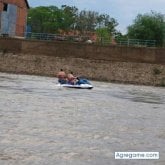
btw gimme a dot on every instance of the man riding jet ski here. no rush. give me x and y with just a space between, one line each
71 81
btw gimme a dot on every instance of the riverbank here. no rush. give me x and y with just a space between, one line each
120 72
142 66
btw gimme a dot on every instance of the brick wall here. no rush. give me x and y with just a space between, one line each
22 9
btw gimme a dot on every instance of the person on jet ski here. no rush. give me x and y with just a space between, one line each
71 78
62 77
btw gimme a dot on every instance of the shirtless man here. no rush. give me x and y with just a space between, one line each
61 77
71 78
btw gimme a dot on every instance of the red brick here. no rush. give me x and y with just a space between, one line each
22 10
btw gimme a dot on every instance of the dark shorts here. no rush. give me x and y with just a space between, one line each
62 81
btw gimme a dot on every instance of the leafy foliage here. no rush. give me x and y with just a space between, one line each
45 19
148 27
86 21
103 36
69 17
52 19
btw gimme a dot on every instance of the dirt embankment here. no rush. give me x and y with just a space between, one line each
103 63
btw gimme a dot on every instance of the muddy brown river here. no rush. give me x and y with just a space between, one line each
43 124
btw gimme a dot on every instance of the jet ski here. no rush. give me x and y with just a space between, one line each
80 84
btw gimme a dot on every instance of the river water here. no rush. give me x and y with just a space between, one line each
43 124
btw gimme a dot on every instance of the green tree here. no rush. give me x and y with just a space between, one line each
45 19
51 19
105 21
120 37
69 17
103 36
148 27
86 21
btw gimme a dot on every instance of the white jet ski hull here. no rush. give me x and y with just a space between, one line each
81 86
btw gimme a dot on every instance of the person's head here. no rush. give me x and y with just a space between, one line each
61 70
